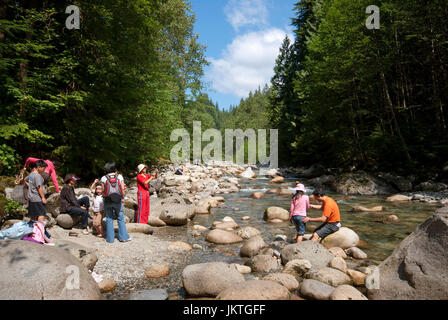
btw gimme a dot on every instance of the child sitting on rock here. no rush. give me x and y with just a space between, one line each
98 207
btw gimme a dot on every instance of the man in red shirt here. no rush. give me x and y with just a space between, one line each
143 181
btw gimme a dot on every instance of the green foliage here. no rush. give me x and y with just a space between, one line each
8 160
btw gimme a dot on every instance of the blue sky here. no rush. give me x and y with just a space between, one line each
243 38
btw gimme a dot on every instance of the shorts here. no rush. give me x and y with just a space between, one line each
300 225
325 229
36 209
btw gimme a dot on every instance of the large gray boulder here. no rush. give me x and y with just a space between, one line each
417 268
209 279
32 271
53 204
312 251
255 290
343 238
222 237
361 183
315 290
329 276
252 246
264 263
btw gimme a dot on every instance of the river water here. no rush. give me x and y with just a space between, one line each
378 237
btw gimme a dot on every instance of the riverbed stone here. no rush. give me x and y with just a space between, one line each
252 246
364 209
179 245
272 213
257 195
286 280
398 197
107 285
315 290
156 222
223 237
338 252
314 252
343 238
361 183
356 253
347 292
65 221
297 267
339 264
392 218
248 173
255 290
209 279
158 271
416 269
242 268
155 294
329 276
248 232
45 270
358 278
264 263
277 180
139 228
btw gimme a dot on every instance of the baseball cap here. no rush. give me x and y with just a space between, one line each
71 176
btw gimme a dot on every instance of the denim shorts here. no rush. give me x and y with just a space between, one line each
300 225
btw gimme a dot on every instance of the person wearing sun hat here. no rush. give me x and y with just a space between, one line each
300 203
143 180
73 206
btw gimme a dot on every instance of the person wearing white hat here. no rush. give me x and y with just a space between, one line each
300 203
143 199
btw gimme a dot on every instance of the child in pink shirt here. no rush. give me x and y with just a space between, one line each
49 169
300 203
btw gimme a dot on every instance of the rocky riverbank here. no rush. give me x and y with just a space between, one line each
161 262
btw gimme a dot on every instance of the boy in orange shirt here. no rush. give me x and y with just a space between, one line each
331 217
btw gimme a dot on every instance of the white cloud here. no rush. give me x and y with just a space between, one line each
246 12
247 62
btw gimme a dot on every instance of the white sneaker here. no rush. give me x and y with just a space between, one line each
126 240
85 231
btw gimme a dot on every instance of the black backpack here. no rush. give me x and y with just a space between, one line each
112 189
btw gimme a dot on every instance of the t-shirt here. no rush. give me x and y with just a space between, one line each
98 204
141 178
35 180
104 179
330 209
299 205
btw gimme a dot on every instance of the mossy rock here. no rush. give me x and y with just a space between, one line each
130 205
7 182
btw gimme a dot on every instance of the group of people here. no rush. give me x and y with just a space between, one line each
300 204
108 194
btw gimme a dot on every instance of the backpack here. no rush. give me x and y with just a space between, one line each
112 189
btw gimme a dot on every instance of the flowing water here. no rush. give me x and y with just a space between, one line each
378 237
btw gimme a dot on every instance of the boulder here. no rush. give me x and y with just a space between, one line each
329 276
225 225
343 238
402 184
179 245
347 292
255 290
32 271
338 263
130 213
138 228
175 216
315 290
338 252
252 246
222 237
312 172
209 279
158 271
248 232
392 218
84 254
356 253
272 213
277 180
257 195
83 192
358 278
53 204
431 186
297 267
66 221
398 197
286 280
314 252
156 222
362 184
155 294
241 268
416 269
264 263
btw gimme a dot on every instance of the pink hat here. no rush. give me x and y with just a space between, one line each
300 187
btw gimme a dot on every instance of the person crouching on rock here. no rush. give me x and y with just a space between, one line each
300 203
331 217
143 180
98 207
73 206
